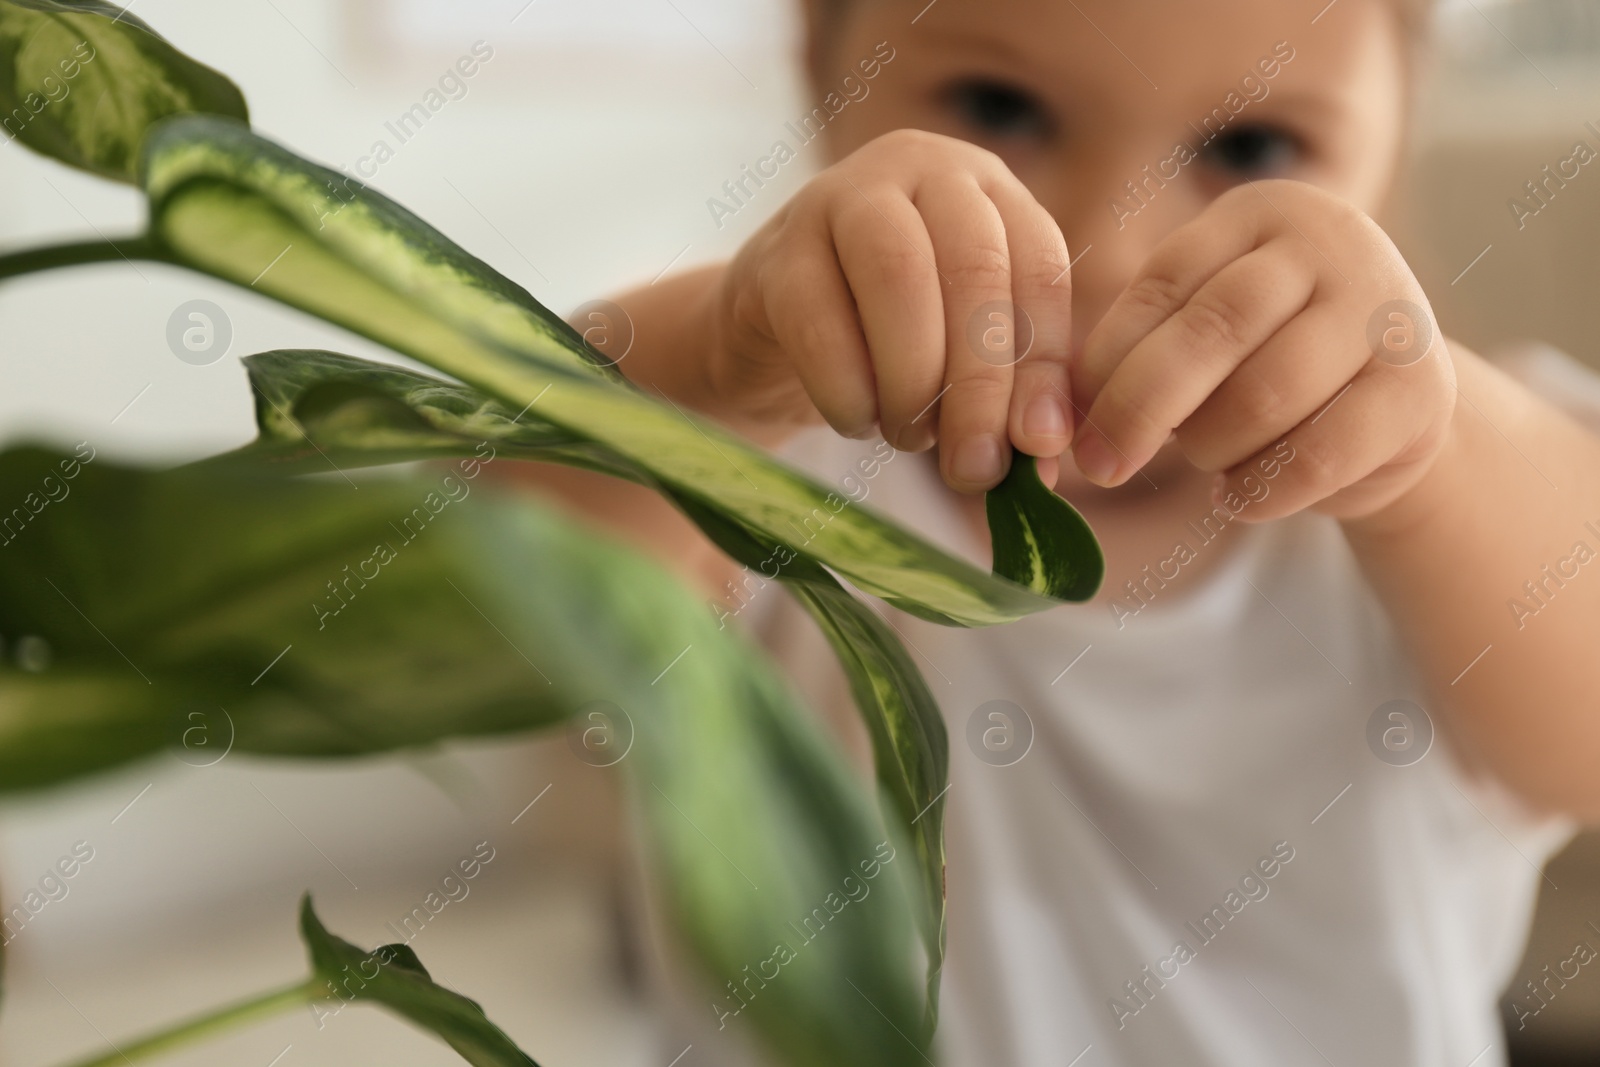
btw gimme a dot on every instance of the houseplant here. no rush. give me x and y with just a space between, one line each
158 593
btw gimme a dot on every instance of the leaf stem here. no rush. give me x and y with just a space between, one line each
203 1026
50 257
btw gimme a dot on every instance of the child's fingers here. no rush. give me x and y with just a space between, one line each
887 258
1288 380
1370 427
974 257
1171 372
1184 262
812 315
1040 417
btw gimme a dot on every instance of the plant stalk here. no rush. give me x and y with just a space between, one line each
50 257
203 1026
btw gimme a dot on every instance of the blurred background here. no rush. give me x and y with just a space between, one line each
578 160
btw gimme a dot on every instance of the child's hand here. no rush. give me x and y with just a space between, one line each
1256 324
881 296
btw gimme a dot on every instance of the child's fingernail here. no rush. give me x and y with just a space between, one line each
1044 417
1095 458
978 461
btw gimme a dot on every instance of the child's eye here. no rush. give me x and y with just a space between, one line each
1252 150
995 109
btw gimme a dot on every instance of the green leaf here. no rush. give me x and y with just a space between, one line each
1040 540
317 407
206 591
188 587
314 408
394 278
57 725
394 977
909 743
82 80
233 204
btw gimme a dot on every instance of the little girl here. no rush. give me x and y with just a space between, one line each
1282 794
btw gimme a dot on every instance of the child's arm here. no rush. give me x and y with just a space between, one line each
1251 334
1508 502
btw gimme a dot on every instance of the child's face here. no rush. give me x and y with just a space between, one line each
1081 97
